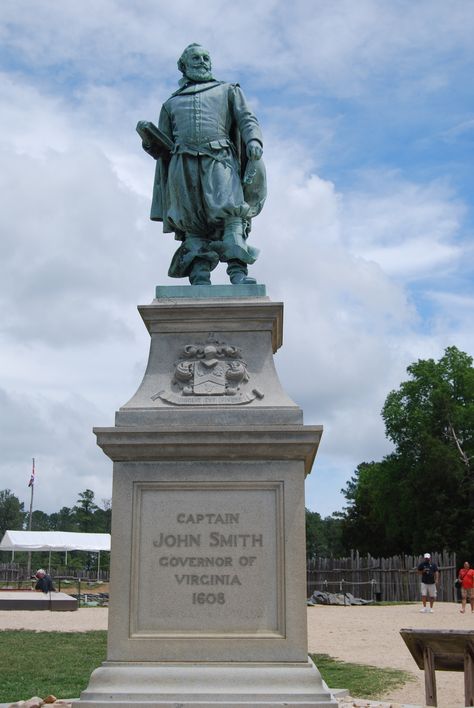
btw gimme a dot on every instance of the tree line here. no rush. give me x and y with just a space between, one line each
85 516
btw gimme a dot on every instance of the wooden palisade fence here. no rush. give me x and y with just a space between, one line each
388 579
16 572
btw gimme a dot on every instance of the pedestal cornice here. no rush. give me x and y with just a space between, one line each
211 443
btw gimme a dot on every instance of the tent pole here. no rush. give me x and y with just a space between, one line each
98 566
49 564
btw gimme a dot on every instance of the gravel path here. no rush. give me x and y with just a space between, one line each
84 620
367 635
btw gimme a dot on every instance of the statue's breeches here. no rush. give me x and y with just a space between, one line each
201 192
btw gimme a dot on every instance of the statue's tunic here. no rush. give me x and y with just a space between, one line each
201 186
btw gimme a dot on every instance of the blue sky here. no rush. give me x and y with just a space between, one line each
368 120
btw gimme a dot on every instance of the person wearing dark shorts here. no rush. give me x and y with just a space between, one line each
429 573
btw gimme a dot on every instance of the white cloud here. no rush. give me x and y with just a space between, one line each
57 434
411 230
459 130
32 122
454 314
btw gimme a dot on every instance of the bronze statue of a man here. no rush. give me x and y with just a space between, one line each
210 179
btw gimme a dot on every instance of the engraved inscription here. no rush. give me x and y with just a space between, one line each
209 559
208 518
179 540
213 539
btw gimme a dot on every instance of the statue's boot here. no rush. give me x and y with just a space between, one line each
200 273
236 252
237 272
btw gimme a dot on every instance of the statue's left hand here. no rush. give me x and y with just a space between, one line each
254 150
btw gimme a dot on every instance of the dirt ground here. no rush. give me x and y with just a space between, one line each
371 635
367 635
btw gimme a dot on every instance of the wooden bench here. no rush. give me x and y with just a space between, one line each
442 650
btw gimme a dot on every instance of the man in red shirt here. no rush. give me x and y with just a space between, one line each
466 576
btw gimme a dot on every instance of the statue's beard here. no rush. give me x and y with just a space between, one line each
198 74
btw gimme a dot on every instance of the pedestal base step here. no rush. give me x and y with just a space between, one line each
120 684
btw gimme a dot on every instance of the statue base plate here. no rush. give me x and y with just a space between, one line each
202 292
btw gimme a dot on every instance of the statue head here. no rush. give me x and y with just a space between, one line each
195 63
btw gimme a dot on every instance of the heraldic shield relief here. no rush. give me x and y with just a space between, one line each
212 373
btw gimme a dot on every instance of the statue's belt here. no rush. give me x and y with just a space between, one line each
209 149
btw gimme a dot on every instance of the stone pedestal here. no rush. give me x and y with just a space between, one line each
208 576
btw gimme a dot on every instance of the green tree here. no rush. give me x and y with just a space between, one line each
103 517
371 523
313 530
40 521
84 511
422 495
323 536
63 520
12 515
90 518
431 416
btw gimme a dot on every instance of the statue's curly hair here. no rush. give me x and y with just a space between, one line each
182 58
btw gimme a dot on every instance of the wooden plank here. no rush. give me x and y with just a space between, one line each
430 676
469 675
448 646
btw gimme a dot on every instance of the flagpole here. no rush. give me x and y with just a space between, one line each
32 485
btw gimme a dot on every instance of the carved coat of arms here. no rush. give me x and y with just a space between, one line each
212 373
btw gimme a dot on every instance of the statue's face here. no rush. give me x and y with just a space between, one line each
197 63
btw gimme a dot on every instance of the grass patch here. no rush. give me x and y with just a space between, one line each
361 681
39 663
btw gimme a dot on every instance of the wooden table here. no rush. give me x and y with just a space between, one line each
443 650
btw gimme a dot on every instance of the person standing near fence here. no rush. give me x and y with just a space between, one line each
429 579
466 576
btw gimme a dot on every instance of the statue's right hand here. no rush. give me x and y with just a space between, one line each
254 150
143 125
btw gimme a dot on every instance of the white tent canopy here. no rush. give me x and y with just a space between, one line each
54 541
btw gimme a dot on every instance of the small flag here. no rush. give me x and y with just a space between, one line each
31 483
